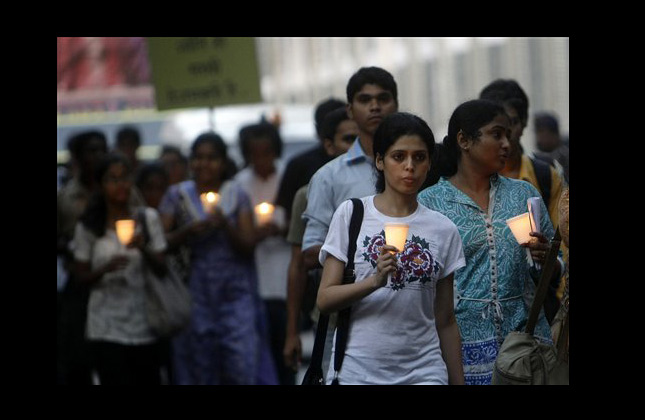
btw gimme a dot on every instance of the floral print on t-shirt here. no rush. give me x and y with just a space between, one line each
415 263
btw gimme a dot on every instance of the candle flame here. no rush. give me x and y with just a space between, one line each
211 197
264 213
209 201
264 208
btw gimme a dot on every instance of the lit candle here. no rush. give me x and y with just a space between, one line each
209 201
125 230
395 234
521 228
264 213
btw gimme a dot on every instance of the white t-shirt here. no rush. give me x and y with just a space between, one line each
273 254
392 335
116 307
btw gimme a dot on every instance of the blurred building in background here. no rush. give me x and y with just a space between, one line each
106 82
434 75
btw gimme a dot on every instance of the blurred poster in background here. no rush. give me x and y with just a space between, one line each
204 72
106 74
97 74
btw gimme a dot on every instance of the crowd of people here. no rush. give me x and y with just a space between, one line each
433 311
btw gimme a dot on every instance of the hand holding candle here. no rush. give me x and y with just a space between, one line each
209 201
521 228
395 235
125 231
264 213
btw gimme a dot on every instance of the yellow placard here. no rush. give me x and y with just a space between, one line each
203 72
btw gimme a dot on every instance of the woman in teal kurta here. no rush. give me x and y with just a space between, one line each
495 290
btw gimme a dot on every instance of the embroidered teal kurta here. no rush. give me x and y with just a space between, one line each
494 291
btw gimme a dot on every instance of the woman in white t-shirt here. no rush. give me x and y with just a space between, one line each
124 347
402 328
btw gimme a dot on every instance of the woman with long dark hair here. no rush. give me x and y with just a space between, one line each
402 328
226 340
124 348
494 291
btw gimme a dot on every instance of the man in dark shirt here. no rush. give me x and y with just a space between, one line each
301 167
548 140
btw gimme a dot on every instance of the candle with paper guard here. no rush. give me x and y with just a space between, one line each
209 201
395 234
264 213
125 230
521 227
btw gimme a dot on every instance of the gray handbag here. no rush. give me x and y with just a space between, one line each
522 358
168 301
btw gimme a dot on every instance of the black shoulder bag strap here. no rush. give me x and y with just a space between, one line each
543 175
314 374
540 294
342 325
314 371
543 285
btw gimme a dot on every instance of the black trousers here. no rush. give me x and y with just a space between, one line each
73 354
119 364
277 313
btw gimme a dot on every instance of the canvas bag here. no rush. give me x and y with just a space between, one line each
168 302
522 358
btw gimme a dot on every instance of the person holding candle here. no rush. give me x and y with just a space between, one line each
544 177
226 341
261 145
494 291
402 328
112 263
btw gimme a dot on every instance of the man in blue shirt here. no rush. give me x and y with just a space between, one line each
371 95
